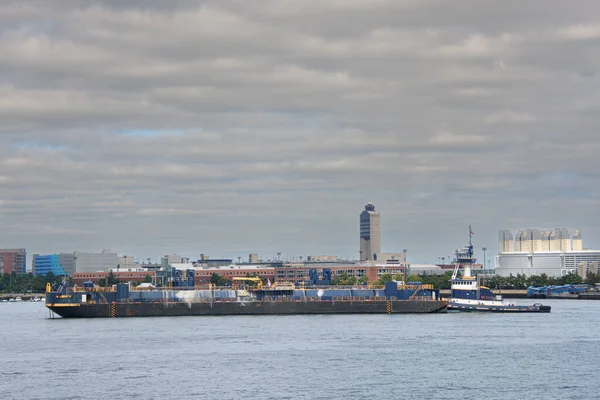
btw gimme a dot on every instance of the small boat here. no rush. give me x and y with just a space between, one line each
468 295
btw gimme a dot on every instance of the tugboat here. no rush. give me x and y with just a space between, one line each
468 295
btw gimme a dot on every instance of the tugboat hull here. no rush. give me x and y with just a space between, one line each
539 308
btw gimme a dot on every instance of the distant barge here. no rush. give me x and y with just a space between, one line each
121 301
569 291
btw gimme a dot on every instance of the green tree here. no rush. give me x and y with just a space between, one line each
538 280
590 278
148 278
344 279
383 279
5 282
444 281
218 280
255 275
50 277
571 278
112 280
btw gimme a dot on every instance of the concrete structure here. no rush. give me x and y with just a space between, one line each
88 262
542 251
125 262
253 258
577 241
539 240
42 264
13 260
389 258
171 259
553 264
585 268
506 242
370 239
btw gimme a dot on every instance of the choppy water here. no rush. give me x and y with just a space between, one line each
451 356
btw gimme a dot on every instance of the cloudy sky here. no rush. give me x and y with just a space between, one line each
229 127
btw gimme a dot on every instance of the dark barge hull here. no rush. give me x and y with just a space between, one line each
159 309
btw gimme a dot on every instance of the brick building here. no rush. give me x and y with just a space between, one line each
121 276
13 260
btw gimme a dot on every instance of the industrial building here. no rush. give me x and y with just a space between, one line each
554 252
13 260
370 239
175 259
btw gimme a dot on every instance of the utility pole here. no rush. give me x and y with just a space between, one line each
484 249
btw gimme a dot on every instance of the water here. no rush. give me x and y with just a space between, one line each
451 356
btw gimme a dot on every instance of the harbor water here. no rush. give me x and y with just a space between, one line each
429 356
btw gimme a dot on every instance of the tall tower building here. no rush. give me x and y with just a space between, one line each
370 242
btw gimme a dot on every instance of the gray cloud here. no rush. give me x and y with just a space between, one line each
231 127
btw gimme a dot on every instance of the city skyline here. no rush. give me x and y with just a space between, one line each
228 128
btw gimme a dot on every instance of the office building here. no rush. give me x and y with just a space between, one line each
42 264
88 262
13 260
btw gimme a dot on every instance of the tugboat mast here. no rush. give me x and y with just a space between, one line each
465 257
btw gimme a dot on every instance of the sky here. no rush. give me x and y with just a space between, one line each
233 127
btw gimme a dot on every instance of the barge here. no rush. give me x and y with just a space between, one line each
124 301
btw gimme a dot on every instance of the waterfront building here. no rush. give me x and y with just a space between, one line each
202 274
370 239
42 264
287 272
553 252
371 270
13 260
134 275
88 262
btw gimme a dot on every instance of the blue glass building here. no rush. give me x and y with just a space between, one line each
42 264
